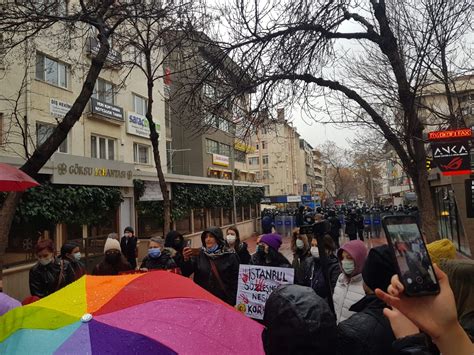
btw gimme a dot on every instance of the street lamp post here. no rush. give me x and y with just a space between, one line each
172 151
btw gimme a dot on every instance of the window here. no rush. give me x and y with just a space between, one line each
265 160
139 104
264 145
267 190
212 146
239 156
224 125
102 147
104 91
257 175
140 153
265 174
254 161
43 131
51 71
224 149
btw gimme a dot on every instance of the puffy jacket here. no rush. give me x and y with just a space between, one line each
419 344
351 226
45 279
367 332
227 264
347 292
78 267
313 275
243 253
335 226
163 262
298 322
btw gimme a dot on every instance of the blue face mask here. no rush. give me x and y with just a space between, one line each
154 253
212 249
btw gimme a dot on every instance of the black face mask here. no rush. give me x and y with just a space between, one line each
112 258
260 250
178 244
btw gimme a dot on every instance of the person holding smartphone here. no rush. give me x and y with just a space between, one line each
215 268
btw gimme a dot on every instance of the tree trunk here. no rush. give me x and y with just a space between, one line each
154 138
44 152
429 225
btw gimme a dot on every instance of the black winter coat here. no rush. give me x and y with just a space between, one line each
367 332
44 279
419 344
163 262
351 226
313 275
227 264
335 226
129 249
276 260
78 268
243 253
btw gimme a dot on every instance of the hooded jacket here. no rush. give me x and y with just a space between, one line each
313 274
45 279
163 262
349 290
274 259
298 322
243 253
227 265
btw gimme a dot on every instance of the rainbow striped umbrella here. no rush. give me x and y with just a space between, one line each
152 313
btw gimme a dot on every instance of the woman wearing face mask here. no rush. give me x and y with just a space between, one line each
158 258
50 273
70 252
300 248
113 263
216 268
312 271
349 289
233 241
267 253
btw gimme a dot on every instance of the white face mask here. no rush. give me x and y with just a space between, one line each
299 244
45 261
315 252
230 238
348 266
77 256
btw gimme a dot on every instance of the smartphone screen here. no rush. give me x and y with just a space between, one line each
413 261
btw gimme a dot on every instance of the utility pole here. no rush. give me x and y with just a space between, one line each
232 167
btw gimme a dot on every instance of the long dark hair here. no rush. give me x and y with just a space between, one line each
237 236
67 248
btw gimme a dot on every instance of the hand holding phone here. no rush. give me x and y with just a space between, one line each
411 256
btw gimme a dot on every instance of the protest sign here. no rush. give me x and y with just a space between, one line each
256 283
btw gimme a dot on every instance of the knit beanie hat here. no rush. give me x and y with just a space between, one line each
273 240
158 240
111 244
441 249
379 268
129 229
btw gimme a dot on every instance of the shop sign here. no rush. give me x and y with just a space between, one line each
114 56
256 284
450 134
265 200
452 158
107 110
58 108
138 125
221 160
470 198
152 192
290 199
244 147
76 170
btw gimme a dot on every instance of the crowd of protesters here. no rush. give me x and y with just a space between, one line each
371 314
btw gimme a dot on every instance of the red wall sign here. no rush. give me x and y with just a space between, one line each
454 133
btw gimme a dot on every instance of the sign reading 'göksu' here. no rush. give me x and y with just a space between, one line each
256 283
138 125
75 170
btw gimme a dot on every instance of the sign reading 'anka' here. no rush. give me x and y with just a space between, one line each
452 158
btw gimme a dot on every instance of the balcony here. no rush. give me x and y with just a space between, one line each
93 45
